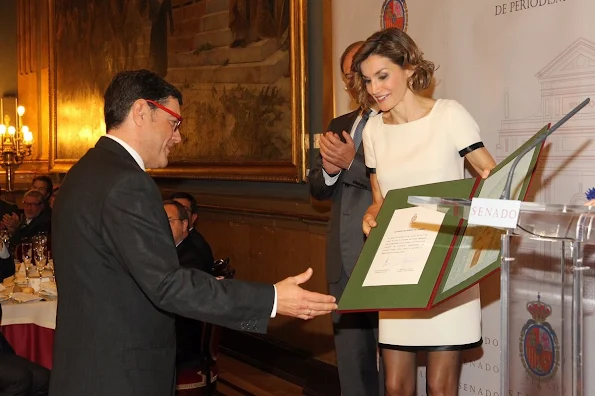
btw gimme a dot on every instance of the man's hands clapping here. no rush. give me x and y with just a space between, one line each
11 221
336 155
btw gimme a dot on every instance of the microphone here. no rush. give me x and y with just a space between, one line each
508 185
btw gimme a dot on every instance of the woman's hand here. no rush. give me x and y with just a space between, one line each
482 161
369 220
368 223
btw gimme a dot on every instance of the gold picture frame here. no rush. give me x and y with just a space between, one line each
76 84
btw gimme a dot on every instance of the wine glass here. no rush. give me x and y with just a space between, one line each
50 266
26 256
5 236
40 261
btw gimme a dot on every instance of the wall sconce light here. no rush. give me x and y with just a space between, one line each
16 140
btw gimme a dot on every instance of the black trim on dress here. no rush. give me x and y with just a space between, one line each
432 348
471 148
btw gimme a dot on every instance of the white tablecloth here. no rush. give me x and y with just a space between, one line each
41 313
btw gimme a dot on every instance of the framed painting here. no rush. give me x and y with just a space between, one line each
240 65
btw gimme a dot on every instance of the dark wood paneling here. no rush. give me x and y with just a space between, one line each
268 247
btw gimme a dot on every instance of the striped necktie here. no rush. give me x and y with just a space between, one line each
357 136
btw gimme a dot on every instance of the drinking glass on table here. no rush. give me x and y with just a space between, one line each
5 236
50 266
40 261
27 257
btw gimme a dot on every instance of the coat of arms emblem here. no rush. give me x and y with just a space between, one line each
538 344
394 14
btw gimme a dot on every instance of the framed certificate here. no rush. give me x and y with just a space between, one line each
417 257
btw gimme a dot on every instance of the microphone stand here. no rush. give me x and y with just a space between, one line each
508 185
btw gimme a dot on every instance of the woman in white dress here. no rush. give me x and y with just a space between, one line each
417 140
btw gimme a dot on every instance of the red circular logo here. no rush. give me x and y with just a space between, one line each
394 14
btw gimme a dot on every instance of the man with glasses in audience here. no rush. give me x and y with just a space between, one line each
117 270
189 202
190 358
35 219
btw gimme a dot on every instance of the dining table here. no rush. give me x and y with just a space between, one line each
28 325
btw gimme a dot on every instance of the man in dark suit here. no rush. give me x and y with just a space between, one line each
117 270
44 185
19 376
189 202
188 254
35 219
340 176
190 357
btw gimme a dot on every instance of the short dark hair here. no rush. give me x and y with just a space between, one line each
182 213
127 87
350 48
45 179
184 195
400 49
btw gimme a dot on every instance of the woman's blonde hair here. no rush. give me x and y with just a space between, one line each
396 45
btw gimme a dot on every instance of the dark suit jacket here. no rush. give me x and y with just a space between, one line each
120 283
6 267
202 250
351 196
189 331
41 223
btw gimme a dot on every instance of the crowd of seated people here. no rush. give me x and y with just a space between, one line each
19 376
20 226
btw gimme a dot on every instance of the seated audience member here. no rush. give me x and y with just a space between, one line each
44 185
35 219
190 357
19 376
189 202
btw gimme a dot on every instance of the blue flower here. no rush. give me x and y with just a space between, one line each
590 194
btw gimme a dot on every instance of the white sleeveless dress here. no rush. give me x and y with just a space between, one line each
421 152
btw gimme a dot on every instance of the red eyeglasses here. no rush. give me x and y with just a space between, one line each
168 111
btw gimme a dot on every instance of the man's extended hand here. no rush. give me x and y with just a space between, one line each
294 301
335 152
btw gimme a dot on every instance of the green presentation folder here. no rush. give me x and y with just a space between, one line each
461 255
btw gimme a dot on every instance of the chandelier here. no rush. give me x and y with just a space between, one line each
15 140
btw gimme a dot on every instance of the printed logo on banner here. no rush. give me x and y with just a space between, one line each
539 347
394 14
